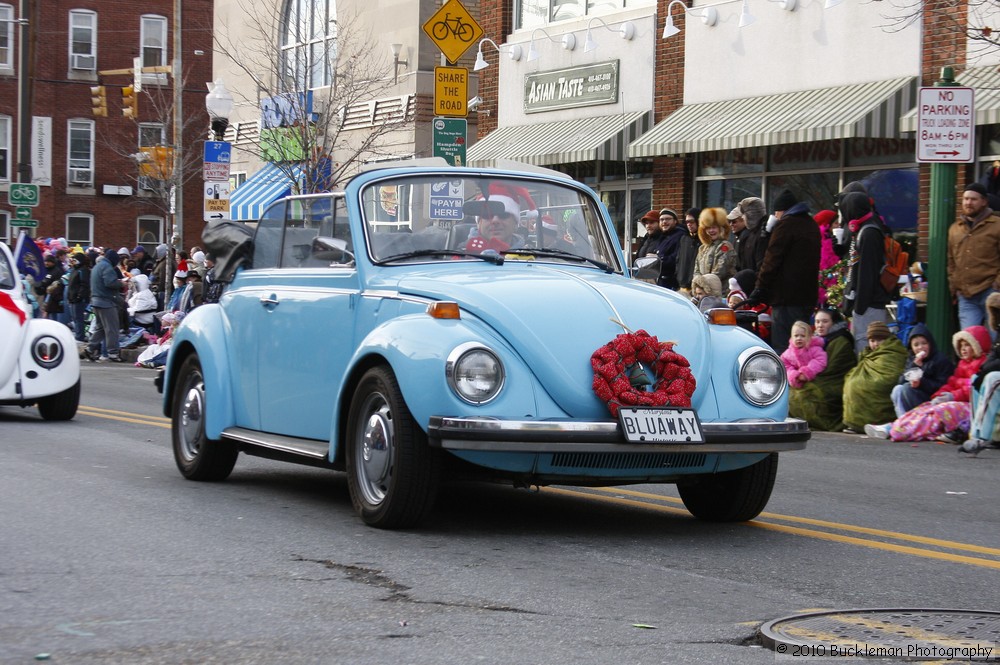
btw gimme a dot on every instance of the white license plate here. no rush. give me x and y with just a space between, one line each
666 425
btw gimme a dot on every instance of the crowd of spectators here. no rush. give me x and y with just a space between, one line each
113 299
811 286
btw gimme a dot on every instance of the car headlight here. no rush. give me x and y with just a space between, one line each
47 351
762 376
475 373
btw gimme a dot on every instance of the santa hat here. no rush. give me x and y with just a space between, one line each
516 200
549 224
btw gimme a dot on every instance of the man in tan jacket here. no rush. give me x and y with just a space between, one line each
974 256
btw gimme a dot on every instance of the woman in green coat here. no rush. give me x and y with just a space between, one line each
868 386
820 402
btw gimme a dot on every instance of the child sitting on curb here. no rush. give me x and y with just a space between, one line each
984 427
948 410
804 358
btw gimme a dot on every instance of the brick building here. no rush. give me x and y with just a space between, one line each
91 187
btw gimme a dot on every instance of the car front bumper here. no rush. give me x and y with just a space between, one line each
563 436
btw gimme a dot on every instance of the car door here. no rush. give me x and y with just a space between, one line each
306 335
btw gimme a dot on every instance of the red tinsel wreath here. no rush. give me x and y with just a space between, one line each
674 382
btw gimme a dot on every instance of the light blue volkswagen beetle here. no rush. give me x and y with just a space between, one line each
431 323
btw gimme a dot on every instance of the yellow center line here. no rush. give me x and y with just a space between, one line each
797 531
124 417
924 540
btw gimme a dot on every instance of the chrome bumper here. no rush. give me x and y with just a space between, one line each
562 436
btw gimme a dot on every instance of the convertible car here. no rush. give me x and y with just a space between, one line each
431 323
39 364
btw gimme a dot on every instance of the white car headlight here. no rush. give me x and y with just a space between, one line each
475 373
762 376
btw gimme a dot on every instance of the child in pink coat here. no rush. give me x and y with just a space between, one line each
804 358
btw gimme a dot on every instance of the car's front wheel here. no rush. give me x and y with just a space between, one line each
197 456
392 473
731 496
61 406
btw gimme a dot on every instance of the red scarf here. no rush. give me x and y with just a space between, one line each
7 303
855 224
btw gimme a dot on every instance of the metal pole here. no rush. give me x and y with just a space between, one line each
941 215
24 94
176 195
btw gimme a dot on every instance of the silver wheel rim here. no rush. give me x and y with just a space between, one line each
192 414
375 445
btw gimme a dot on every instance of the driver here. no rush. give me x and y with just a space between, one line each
495 230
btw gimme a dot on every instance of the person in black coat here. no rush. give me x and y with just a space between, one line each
864 298
50 290
78 292
666 251
927 369
687 249
787 277
651 220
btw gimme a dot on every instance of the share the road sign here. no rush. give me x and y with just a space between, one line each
946 125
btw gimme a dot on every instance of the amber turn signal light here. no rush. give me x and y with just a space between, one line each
722 316
444 310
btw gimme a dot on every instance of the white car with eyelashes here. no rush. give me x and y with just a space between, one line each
39 363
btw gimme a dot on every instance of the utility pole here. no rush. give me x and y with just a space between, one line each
177 196
24 89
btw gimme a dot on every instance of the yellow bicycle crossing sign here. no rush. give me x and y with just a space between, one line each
453 29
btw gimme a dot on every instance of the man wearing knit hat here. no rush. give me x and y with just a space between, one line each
787 277
974 256
748 226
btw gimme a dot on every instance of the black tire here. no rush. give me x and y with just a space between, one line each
392 473
197 457
61 406
732 496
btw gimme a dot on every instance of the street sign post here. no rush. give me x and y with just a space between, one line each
453 30
451 91
946 125
23 194
449 139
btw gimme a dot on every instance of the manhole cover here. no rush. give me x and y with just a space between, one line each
899 634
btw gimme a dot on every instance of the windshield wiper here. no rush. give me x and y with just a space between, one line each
491 257
561 253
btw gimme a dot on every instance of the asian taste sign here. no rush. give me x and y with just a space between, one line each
451 91
570 88
946 124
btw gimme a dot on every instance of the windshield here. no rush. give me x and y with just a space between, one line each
468 217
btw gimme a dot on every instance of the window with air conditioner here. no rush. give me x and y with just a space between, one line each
82 40
80 153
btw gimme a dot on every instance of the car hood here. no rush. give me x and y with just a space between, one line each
556 318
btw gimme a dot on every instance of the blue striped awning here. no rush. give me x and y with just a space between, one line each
581 140
848 111
247 202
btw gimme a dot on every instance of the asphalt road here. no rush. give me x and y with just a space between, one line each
108 556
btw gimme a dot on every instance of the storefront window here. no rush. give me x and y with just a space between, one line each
819 190
727 193
798 156
637 169
724 162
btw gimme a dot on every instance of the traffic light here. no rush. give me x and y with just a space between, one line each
99 101
130 103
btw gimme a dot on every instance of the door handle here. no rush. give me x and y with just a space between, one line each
269 301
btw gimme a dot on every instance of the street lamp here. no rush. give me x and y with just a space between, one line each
219 103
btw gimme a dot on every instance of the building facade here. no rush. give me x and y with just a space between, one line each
745 98
86 155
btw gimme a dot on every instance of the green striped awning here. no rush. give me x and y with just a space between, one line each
847 111
586 139
986 82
